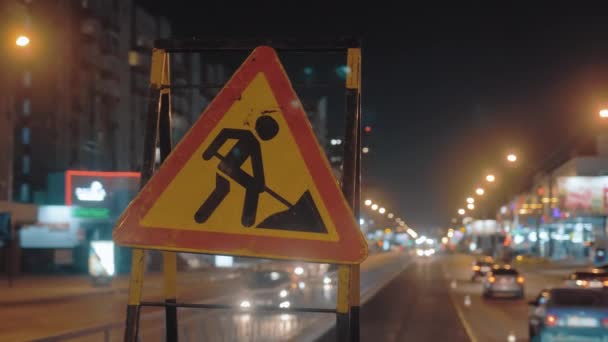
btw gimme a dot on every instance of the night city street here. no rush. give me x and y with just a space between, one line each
179 171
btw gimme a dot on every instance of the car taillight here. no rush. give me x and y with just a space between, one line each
520 280
492 279
605 322
605 283
476 268
551 320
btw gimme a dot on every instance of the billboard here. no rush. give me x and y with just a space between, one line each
587 195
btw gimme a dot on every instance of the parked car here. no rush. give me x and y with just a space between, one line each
503 281
569 314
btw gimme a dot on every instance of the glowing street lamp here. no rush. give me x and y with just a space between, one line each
604 113
368 202
479 191
381 210
461 211
511 158
374 207
390 215
471 206
490 178
470 200
22 41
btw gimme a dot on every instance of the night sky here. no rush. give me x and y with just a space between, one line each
448 91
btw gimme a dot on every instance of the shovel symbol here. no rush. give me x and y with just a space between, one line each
300 216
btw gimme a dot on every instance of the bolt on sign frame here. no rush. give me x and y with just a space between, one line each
158 132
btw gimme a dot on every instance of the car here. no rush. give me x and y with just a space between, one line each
480 268
585 279
268 288
569 314
503 281
425 252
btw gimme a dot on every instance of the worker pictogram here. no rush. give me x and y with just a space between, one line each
248 179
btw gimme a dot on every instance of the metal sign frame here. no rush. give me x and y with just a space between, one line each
158 132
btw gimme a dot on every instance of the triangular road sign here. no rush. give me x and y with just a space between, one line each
248 179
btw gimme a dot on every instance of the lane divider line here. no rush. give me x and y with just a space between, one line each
463 321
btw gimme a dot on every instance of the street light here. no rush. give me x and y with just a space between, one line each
479 191
22 41
470 200
461 211
490 178
471 206
374 207
511 158
381 210
390 215
368 202
604 113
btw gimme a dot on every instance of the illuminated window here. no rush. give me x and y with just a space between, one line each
24 194
133 58
25 135
25 165
27 107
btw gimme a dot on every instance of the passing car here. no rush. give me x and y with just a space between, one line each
503 282
569 314
480 268
595 279
268 288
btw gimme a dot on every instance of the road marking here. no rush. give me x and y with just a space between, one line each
465 324
467 300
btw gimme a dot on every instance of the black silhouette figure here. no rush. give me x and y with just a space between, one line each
247 146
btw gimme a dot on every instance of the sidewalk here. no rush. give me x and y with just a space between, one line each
53 288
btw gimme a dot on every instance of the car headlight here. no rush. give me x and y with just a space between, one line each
302 285
326 280
285 305
245 304
298 270
283 293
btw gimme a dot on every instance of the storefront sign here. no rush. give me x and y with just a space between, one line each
96 188
583 194
93 193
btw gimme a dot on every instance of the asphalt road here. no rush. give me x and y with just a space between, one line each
38 320
495 319
434 299
415 306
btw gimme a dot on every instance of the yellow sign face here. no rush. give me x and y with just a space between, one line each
248 179
204 180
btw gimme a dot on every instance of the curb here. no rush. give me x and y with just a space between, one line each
59 298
